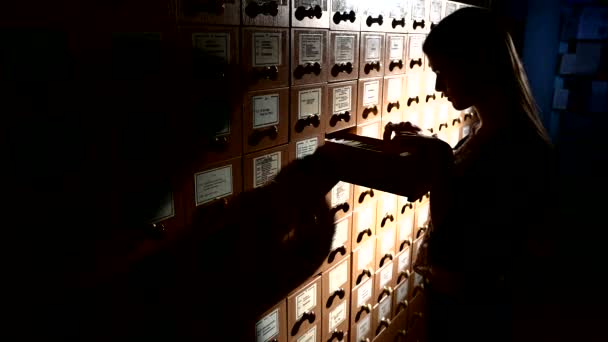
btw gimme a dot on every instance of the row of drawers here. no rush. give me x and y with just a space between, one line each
274 57
398 15
328 307
278 116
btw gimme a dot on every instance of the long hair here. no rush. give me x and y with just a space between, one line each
472 33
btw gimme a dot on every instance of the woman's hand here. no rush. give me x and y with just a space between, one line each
399 128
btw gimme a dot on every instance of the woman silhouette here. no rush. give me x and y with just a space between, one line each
489 242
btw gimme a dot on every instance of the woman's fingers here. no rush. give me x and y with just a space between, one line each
399 128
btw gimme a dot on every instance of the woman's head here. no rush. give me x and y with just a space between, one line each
477 65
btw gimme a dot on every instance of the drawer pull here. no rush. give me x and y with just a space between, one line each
344 16
371 66
386 291
257 136
369 192
369 110
307 316
338 293
414 62
308 68
367 308
395 64
364 273
388 256
332 254
311 120
398 23
312 12
254 8
384 323
339 117
412 99
362 234
386 218
342 67
371 20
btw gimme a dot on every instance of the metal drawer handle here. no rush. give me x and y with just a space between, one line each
367 308
388 256
257 136
404 274
364 273
339 117
384 323
386 291
362 234
332 255
338 293
369 192
345 16
312 12
307 316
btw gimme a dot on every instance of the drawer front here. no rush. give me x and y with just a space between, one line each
304 309
343 56
272 325
342 107
265 57
309 57
371 63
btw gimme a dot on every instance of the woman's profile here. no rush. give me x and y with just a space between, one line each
491 214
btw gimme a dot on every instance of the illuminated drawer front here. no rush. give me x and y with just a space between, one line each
308 111
267 13
306 13
384 283
336 301
420 22
394 99
342 107
364 225
340 246
385 247
361 324
343 56
395 60
272 325
262 167
345 16
309 57
386 217
363 262
265 119
371 61
340 199
304 309
265 57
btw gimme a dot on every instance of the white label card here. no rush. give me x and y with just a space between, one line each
403 262
337 316
213 184
338 277
415 48
396 49
265 110
429 117
310 336
406 227
310 4
387 242
423 215
366 254
430 80
344 5
365 219
364 293
267 327
309 103
340 193
344 49
394 89
384 309
342 99
371 131
363 328
265 168
413 84
435 14
418 279
418 9
397 8
306 301
389 204
450 7
401 292
341 235
306 147
266 49
311 48
373 47
386 275
216 45
371 93
444 112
